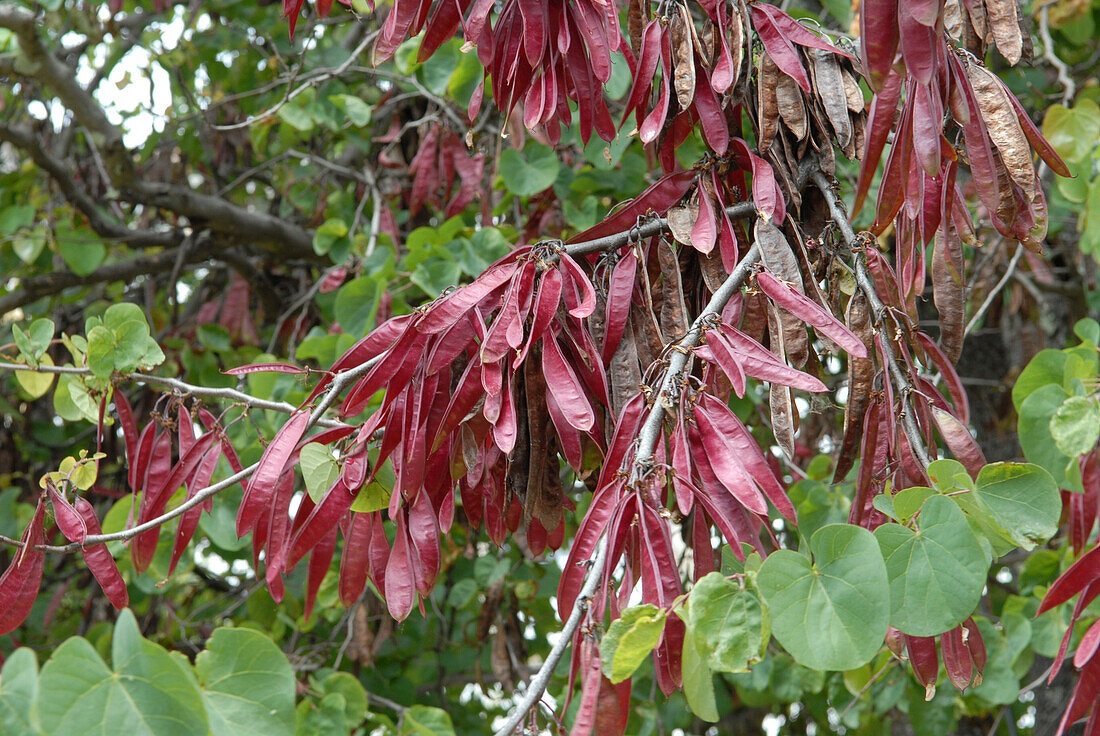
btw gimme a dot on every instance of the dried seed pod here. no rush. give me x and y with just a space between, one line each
767 106
683 56
792 109
830 90
1004 22
1004 129
853 95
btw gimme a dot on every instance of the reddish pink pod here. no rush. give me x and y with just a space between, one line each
20 582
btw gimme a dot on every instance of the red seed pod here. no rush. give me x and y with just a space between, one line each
20 582
100 562
956 658
925 663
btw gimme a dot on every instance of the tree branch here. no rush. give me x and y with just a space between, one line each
23 138
648 438
48 69
35 287
867 285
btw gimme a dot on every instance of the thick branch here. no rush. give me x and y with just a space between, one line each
24 138
867 285
36 287
204 210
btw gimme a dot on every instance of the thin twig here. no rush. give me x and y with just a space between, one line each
994 291
1069 87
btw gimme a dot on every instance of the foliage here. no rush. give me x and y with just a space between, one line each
350 381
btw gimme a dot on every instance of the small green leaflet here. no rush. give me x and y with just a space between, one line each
630 639
35 341
319 469
831 614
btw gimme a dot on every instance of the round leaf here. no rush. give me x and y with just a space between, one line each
936 573
247 685
831 614
148 693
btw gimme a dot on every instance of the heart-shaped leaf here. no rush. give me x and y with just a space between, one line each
936 573
831 614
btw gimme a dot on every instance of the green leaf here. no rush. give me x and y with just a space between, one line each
529 172
356 303
423 720
630 639
18 690
1033 427
15 217
36 340
435 73
81 256
102 347
908 501
436 275
298 117
1045 368
148 692
214 336
35 383
831 614
1073 132
727 623
328 233
1075 427
319 469
355 108
936 573
1021 498
30 244
355 697
247 684
698 681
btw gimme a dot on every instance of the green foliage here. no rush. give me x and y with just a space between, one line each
241 683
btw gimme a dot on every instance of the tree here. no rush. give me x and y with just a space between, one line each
338 362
